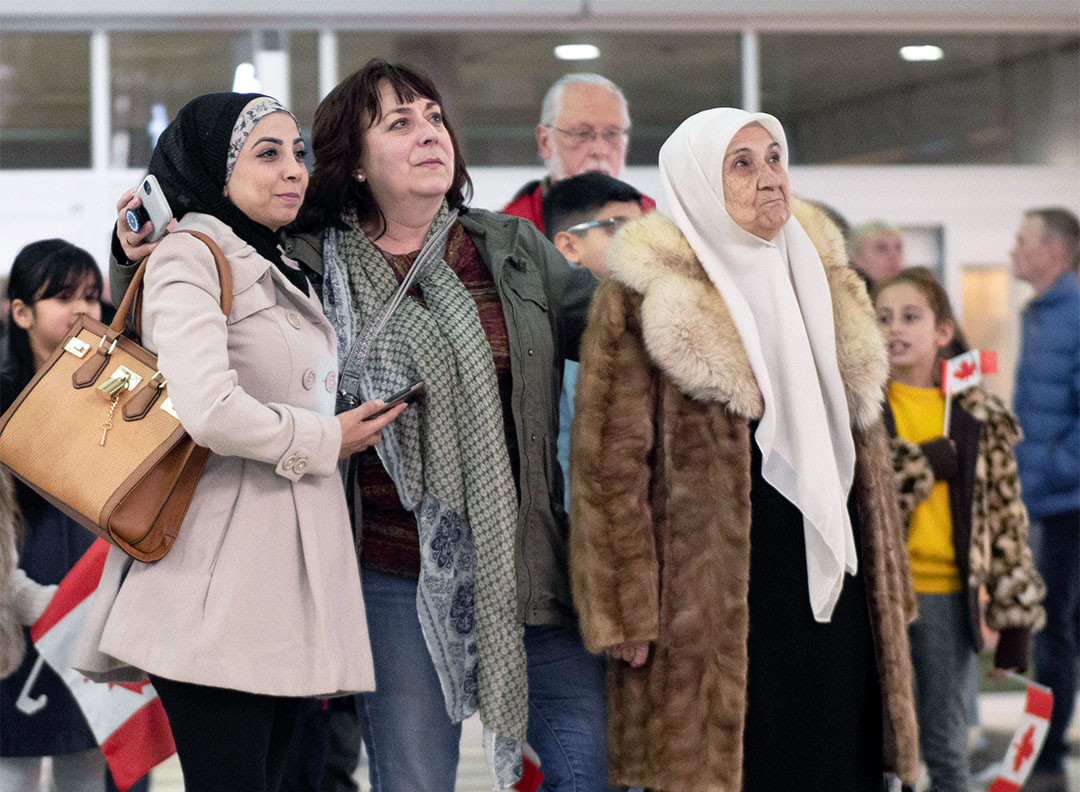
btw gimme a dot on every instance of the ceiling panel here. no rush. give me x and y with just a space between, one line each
803 71
292 9
478 14
850 9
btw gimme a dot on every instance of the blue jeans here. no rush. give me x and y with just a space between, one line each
941 652
1057 646
411 742
567 710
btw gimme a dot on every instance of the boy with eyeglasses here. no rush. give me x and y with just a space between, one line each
581 215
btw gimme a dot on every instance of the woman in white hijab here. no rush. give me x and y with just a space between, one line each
735 543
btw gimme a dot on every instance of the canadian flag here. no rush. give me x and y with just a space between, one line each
963 371
1027 741
127 720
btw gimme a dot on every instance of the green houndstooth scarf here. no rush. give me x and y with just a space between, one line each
447 456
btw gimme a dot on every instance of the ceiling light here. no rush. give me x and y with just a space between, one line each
921 52
577 52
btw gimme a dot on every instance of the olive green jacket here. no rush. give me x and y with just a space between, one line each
545 302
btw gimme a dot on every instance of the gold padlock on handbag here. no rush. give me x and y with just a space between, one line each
122 378
114 385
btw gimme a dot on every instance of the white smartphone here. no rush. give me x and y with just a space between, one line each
155 208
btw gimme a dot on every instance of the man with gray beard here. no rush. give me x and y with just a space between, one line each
584 128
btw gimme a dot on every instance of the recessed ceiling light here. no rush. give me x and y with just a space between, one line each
577 52
921 52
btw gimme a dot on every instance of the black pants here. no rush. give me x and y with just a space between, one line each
326 750
228 740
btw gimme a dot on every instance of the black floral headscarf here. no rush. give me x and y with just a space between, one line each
191 163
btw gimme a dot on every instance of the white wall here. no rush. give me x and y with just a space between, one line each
978 206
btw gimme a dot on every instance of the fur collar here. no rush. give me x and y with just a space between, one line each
690 333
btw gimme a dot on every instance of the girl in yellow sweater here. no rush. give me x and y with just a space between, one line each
967 528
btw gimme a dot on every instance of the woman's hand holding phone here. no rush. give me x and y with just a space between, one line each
361 428
133 242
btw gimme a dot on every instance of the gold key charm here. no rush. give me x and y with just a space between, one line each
105 427
121 380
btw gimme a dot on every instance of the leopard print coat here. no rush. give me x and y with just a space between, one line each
998 557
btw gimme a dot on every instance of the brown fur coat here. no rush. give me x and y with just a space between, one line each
660 483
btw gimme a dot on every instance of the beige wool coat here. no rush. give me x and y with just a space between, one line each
261 590
660 507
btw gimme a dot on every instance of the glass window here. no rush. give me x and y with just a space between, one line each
991 98
44 100
493 83
155 74
304 77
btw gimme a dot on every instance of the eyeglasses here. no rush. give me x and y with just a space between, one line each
610 224
613 136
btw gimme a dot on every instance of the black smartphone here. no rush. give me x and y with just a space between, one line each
406 396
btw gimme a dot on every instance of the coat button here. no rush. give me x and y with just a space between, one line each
331 382
309 379
530 353
293 318
289 463
301 466
533 438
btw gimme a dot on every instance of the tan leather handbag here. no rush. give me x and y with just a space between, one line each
95 434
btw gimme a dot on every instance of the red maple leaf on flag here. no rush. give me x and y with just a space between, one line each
1025 749
964 370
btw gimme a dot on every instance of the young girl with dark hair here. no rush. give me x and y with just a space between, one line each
967 528
51 283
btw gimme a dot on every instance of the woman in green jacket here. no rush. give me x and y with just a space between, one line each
463 535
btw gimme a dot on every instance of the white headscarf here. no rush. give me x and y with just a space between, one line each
779 298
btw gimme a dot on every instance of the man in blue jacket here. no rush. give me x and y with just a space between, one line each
1047 400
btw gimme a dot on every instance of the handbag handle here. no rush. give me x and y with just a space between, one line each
87 374
133 295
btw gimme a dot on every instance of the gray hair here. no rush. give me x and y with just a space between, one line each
551 108
1062 223
861 234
